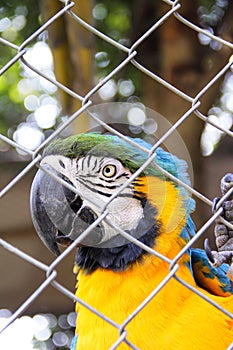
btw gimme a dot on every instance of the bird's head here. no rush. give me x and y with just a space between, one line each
93 168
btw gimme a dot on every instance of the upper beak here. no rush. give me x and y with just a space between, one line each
59 216
41 219
51 213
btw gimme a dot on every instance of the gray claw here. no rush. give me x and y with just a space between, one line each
215 203
226 183
208 251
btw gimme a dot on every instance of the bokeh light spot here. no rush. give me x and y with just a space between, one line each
60 339
46 115
108 90
102 59
136 116
126 87
28 136
31 102
99 12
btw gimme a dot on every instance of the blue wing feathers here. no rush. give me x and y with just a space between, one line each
213 279
74 342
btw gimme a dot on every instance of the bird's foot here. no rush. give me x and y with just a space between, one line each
223 232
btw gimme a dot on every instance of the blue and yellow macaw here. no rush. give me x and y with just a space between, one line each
114 275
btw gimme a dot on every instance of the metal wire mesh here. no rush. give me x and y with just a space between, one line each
194 104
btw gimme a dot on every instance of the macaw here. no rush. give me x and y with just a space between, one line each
114 274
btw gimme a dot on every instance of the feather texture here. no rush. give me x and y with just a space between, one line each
116 281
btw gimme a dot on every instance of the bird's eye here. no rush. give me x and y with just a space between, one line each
109 170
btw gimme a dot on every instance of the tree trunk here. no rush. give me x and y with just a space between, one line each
72 49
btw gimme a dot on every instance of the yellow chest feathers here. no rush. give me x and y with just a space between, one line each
175 318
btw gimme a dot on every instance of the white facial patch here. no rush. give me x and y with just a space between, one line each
96 180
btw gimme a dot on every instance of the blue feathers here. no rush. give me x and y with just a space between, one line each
213 279
175 166
189 230
74 342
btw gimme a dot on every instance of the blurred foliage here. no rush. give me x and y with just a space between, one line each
18 19
11 107
29 9
114 18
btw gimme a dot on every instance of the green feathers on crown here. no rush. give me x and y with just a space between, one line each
78 146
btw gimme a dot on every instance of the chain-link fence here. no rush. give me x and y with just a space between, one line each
194 102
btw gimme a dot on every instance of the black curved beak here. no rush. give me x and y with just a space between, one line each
58 214
42 221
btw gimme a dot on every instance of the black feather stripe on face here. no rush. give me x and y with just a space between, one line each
120 258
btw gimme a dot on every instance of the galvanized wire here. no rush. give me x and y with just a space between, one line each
195 103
